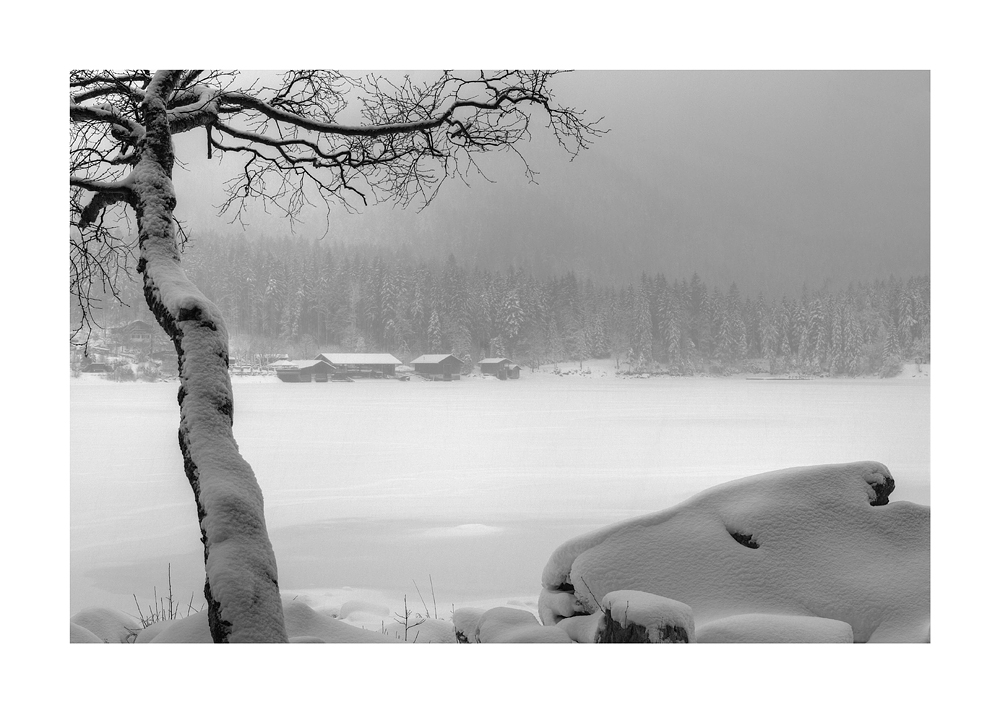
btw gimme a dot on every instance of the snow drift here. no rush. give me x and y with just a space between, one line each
818 541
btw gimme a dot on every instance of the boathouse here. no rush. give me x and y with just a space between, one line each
360 366
300 370
444 367
500 367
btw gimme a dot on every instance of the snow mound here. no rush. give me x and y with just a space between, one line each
189 630
798 542
775 629
152 631
498 623
79 635
468 530
533 635
661 619
356 609
465 621
426 631
302 622
504 625
108 625
582 629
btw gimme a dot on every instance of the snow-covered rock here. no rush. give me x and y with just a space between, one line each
189 630
812 541
504 625
582 629
560 604
152 631
303 620
775 629
649 617
108 625
497 623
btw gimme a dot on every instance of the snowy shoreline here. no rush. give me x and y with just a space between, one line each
592 369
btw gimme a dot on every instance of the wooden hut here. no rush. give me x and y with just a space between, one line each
300 370
360 366
443 367
493 365
500 367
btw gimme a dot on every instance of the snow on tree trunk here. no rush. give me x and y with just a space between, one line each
241 584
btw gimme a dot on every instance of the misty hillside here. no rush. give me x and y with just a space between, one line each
766 179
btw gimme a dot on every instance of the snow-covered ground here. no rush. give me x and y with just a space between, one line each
372 488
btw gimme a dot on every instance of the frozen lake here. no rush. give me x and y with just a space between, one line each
373 484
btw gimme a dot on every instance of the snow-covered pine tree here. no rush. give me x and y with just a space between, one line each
434 343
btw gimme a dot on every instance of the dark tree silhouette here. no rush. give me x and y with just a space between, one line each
410 137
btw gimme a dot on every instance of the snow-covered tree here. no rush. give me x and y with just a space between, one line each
434 333
410 137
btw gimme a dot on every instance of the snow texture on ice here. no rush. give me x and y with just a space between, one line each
823 550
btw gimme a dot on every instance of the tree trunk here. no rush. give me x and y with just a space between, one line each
241 584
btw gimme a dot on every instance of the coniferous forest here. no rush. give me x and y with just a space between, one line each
298 297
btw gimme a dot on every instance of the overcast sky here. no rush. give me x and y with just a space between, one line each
766 179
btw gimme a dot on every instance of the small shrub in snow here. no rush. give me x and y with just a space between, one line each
161 610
